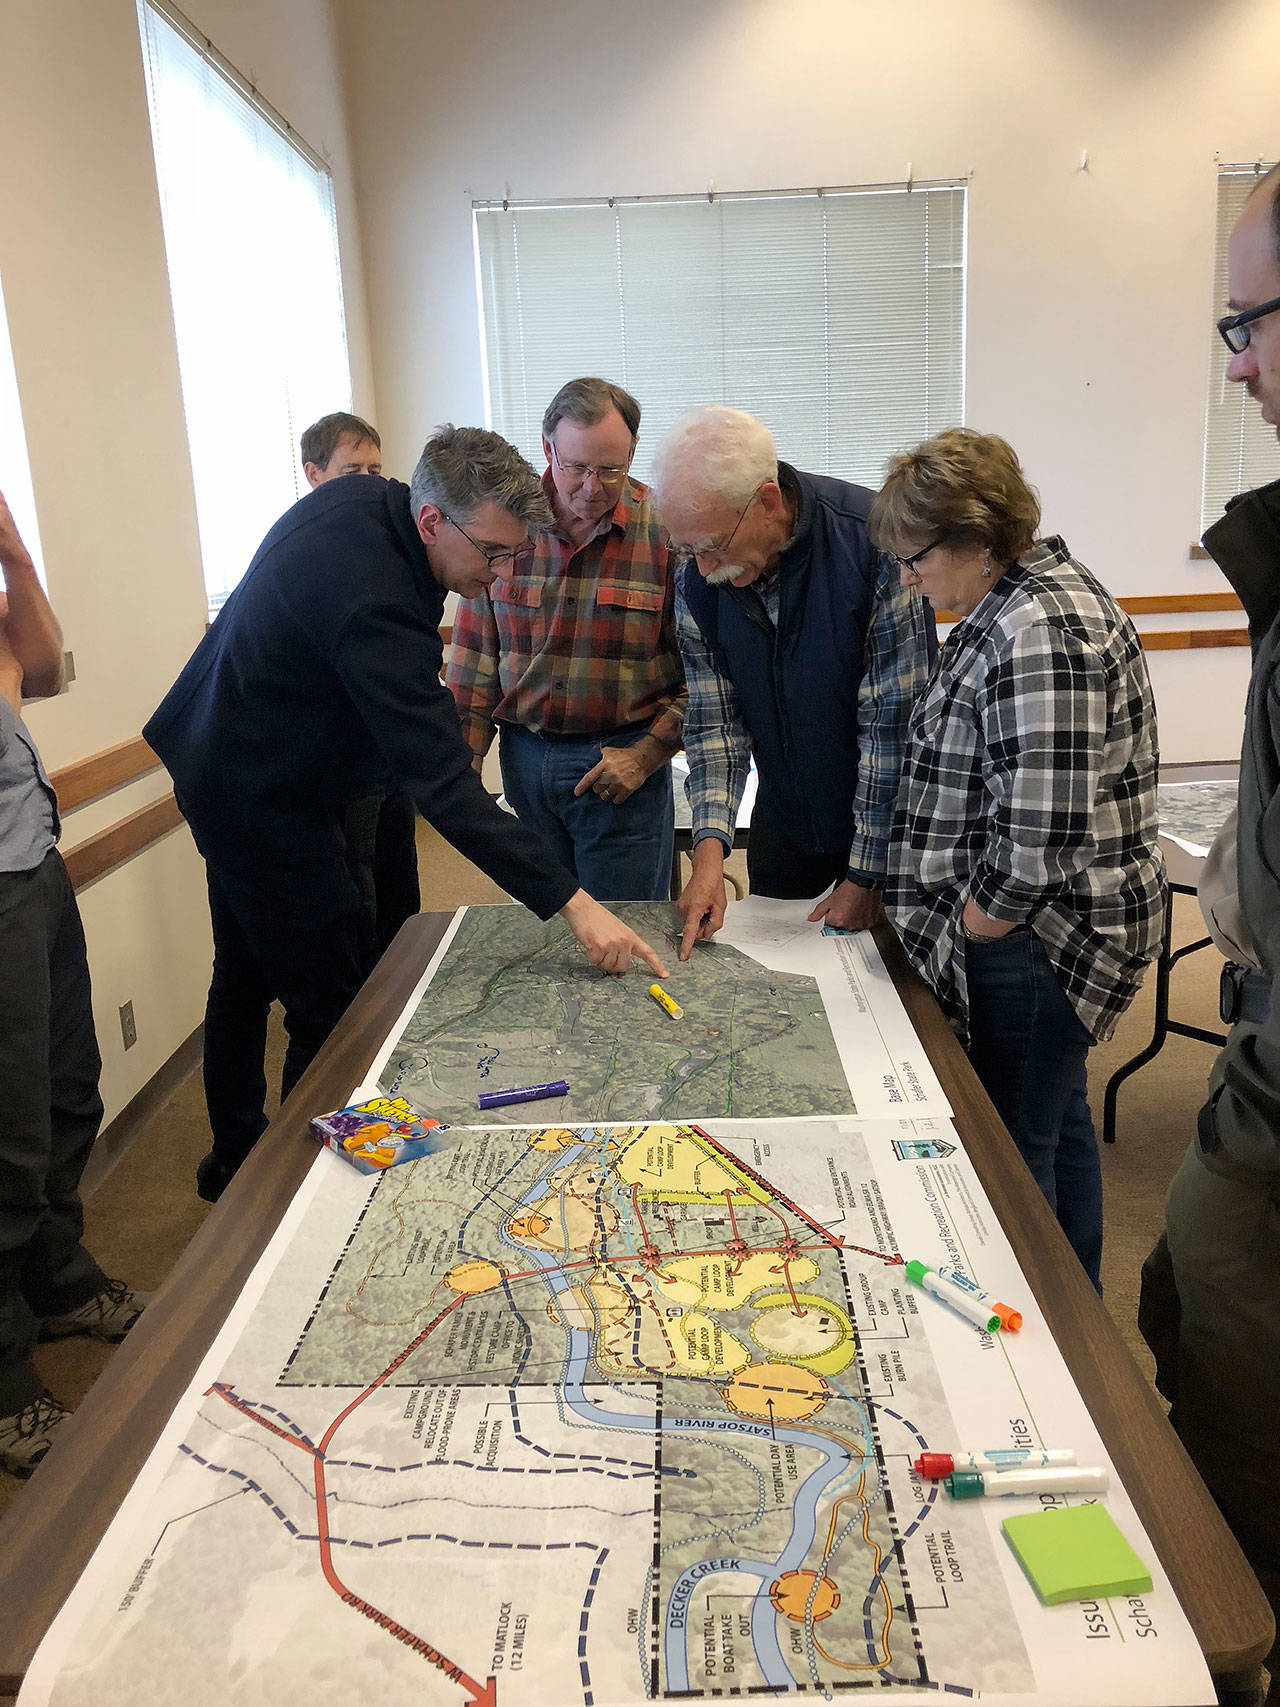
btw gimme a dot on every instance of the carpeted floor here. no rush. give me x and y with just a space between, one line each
143 1214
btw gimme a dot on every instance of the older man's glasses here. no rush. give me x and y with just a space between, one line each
1235 328
722 549
518 555
607 473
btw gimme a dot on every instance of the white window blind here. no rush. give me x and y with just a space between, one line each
836 316
1240 449
15 470
252 248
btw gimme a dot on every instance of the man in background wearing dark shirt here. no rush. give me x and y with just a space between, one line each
321 678
381 829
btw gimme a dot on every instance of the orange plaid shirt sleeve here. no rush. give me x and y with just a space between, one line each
583 643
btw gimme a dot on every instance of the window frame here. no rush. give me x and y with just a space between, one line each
813 367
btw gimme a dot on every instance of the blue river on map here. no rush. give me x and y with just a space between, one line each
804 1517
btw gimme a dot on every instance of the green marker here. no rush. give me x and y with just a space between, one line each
921 1275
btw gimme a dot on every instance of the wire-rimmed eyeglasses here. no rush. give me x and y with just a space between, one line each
518 554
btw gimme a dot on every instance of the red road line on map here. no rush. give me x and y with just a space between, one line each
390 1370
786 1275
733 1219
605 1261
782 1218
648 1244
220 1391
482 1694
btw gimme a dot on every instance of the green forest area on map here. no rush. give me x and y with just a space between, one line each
515 1002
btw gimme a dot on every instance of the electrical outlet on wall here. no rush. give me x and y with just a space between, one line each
128 1026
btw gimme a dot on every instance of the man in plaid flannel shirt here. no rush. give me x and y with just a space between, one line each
572 658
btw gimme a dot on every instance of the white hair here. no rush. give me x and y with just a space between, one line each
713 455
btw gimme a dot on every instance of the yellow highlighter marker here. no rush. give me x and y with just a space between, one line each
665 1003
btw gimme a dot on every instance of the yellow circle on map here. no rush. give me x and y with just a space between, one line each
804 1329
776 1392
790 1595
476 1276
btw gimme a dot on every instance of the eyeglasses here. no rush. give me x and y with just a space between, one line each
1234 328
909 563
722 549
607 473
519 554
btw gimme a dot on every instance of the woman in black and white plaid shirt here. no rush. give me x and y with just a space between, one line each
1024 876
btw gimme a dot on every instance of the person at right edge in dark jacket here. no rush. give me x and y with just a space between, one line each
1210 1307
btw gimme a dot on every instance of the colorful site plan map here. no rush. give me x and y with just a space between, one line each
512 1001
584 1416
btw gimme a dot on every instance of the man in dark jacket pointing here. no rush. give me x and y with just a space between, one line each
320 681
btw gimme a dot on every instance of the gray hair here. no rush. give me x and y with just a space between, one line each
587 402
461 467
713 454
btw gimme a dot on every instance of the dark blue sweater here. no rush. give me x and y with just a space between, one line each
319 682
798 686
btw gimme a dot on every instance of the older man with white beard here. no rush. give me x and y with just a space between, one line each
802 651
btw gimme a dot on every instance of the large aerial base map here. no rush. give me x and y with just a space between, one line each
584 1416
515 1002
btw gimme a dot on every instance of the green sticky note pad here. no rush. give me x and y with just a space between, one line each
1076 1553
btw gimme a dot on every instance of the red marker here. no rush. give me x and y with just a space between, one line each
936 1465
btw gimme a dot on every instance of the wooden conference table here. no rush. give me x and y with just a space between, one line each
58 1519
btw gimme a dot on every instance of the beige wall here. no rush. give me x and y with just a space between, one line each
1089 290
82 261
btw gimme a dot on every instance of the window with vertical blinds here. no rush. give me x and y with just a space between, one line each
1240 449
252 248
15 471
836 316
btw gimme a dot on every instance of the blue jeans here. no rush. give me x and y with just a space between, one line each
617 852
1030 1051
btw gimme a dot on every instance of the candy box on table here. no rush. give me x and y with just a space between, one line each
376 1135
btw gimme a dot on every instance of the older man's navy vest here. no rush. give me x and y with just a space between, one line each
798 686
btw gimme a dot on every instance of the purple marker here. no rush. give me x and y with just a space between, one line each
524 1093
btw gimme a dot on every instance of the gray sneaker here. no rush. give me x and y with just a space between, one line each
27 1435
108 1315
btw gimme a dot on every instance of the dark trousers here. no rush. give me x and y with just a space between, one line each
380 831
50 1112
397 896
779 867
1210 1311
1030 1051
313 968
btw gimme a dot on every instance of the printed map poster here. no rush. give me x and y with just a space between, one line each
778 1022
590 1416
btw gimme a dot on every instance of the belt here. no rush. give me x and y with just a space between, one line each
602 736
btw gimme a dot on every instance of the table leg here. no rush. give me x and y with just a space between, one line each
1158 1035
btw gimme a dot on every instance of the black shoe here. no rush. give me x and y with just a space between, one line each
213 1176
